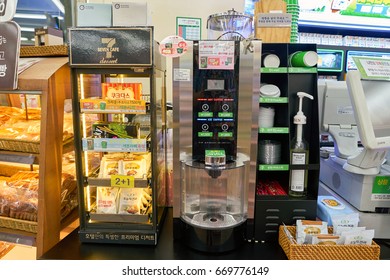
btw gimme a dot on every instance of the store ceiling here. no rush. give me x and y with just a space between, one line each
36 13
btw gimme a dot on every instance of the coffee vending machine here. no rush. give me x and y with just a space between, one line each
215 129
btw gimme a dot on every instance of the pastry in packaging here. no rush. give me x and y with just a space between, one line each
106 200
350 220
130 201
18 124
110 168
19 194
358 237
136 168
134 201
306 229
326 239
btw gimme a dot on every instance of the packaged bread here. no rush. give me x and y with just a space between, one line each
110 168
326 239
106 200
136 168
134 201
306 229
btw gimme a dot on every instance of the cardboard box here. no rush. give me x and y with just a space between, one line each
48 36
130 14
94 15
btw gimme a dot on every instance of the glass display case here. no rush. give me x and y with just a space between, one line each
119 107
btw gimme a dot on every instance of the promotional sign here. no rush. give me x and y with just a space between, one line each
216 55
373 68
111 47
7 10
9 54
173 46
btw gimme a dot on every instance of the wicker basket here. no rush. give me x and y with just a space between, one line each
25 146
28 226
19 146
38 51
325 252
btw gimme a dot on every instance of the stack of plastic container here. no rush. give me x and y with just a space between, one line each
293 9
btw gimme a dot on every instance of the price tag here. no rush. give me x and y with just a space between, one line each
381 189
122 181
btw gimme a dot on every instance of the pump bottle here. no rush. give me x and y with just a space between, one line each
299 153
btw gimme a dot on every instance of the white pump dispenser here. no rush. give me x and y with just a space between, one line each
299 153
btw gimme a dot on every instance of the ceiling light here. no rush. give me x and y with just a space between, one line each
59 5
32 16
27 29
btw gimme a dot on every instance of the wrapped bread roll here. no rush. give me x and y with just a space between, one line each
106 200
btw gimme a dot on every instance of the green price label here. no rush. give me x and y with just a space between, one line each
215 153
122 181
381 185
205 134
205 114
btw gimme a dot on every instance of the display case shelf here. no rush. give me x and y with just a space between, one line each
50 79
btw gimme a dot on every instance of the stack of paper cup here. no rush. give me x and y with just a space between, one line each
266 116
269 152
303 59
293 9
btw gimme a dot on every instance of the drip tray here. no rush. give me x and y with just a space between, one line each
213 220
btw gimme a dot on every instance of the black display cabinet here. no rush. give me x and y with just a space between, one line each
119 106
272 210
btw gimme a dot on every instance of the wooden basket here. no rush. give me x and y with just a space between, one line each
325 252
28 226
38 51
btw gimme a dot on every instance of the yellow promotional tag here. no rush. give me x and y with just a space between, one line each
122 181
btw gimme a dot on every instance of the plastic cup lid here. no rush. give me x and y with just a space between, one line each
310 58
271 61
269 91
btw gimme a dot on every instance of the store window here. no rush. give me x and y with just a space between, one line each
31 14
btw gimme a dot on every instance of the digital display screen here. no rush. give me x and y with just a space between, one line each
330 60
350 64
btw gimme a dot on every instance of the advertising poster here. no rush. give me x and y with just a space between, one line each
216 55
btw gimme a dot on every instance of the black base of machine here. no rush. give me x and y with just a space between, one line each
209 240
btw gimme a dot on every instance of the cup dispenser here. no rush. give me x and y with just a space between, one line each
215 121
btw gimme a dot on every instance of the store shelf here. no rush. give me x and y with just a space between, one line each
49 78
272 208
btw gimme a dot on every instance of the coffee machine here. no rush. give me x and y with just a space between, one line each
215 128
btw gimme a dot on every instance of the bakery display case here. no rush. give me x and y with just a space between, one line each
34 191
119 107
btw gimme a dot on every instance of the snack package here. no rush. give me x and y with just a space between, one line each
109 168
363 237
306 229
326 239
347 220
130 201
329 206
136 168
106 200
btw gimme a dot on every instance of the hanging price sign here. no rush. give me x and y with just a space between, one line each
122 181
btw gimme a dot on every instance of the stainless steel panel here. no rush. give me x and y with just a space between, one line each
182 119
